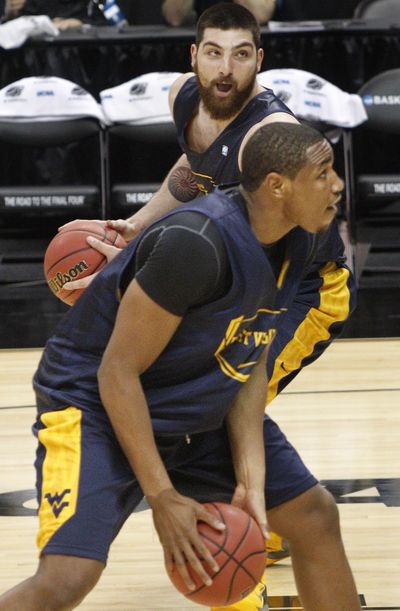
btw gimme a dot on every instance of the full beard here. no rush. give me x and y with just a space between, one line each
224 108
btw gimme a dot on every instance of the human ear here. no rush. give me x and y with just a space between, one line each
276 184
260 57
193 54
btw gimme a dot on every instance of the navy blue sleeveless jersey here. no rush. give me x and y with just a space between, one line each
191 385
218 165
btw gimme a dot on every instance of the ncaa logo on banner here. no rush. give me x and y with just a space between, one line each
314 83
138 89
78 91
14 91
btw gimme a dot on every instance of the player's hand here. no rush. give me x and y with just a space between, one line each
253 501
76 223
127 229
107 250
175 518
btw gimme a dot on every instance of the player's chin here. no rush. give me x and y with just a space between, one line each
320 225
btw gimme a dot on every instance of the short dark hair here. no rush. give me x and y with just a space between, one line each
228 16
276 147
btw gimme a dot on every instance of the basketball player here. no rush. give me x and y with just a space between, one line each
145 385
215 111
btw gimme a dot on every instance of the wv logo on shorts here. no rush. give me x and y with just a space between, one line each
56 501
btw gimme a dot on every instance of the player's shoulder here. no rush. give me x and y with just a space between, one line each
177 86
275 117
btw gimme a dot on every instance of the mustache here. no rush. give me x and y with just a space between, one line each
227 80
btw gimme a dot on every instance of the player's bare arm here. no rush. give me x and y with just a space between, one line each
136 342
177 187
245 430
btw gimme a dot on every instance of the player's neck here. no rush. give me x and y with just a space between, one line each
265 217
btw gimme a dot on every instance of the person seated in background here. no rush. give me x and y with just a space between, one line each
65 15
79 12
186 12
293 10
9 9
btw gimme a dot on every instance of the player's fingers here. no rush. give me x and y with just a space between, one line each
128 230
180 563
203 552
263 524
168 560
82 283
196 564
205 516
260 516
107 250
117 224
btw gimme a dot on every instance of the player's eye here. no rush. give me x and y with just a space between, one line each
242 54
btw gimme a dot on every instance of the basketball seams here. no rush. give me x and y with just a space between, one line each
230 555
72 253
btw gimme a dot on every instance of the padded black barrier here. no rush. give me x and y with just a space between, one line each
159 133
26 202
44 165
379 187
47 133
127 198
378 197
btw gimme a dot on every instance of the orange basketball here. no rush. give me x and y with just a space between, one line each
69 256
240 552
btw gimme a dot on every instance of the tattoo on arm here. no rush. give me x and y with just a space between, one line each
182 184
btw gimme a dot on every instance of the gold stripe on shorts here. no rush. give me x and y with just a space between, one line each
60 471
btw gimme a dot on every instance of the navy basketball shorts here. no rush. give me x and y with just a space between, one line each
87 490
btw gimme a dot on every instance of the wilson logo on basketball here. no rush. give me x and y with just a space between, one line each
57 282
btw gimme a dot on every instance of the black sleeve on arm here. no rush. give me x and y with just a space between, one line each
181 262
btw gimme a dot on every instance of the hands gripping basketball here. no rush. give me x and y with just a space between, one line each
209 564
126 229
175 518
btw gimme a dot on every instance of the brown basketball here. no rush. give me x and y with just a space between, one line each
69 256
240 552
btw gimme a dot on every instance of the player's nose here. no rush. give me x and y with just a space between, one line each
337 184
225 66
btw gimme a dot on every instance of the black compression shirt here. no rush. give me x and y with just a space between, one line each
187 252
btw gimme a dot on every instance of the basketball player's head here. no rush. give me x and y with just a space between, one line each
290 167
226 58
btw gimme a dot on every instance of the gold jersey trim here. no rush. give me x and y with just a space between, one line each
334 307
